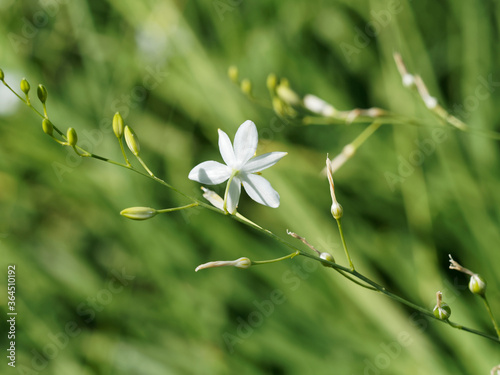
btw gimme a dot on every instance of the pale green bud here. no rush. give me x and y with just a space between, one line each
271 82
477 285
139 213
232 72
47 126
132 141
42 93
2 76
287 94
442 312
327 256
337 210
279 107
72 137
25 86
118 125
246 87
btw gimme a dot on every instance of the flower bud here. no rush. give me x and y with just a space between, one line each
139 213
42 93
25 86
246 87
477 285
2 76
287 94
443 312
118 125
319 106
408 80
239 263
47 126
271 82
132 140
232 72
337 211
327 256
279 107
72 136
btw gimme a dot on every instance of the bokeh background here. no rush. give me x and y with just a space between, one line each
100 294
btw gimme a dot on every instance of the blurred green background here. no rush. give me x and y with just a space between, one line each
100 294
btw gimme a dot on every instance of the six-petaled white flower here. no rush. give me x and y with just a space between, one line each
240 169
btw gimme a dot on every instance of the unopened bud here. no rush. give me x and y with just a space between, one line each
408 80
118 125
139 213
337 210
431 102
42 93
477 285
47 126
72 137
25 86
328 257
246 87
239 263
279 106
233 74
443 312
271 82
287 94
318 105
2 76
132 141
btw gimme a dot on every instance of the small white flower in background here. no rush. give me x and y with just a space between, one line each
239 263
240 168
319 106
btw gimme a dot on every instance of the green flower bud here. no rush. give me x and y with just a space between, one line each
118 125
337 210
443 312
327 256
279 107
42 93
287 94
72 137
47 126
232 72
477 285
139 213
132 141
246 87
2 76
25 86
271 82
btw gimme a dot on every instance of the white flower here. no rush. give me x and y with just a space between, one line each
240 168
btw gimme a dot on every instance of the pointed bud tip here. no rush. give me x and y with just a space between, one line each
118 125
42 93
25 86
132 140
139 213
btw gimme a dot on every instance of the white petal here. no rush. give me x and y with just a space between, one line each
245 143
213 198
260 190
233 195
210 173
226 148
262 162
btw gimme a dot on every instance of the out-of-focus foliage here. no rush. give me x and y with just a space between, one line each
163 65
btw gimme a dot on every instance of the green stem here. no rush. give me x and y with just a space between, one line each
165 210
339 223
365 134
487 304
289 256
145 166
120 141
